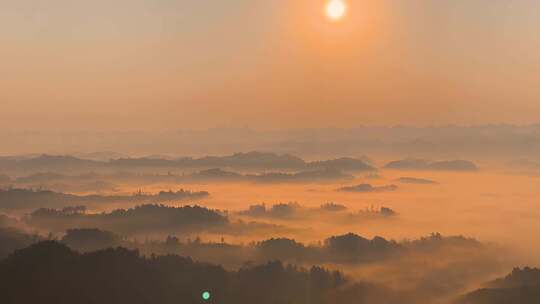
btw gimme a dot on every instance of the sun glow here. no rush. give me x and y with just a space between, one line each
336 9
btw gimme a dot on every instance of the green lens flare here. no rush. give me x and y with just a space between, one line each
206 295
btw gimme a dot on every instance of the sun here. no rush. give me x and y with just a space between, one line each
336 9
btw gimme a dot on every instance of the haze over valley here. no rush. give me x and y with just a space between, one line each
269 152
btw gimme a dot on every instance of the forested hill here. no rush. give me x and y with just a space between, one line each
56 275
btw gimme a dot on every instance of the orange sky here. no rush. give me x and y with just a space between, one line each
267 64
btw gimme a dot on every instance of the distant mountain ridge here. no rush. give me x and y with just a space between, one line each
239 161
421 164
494 141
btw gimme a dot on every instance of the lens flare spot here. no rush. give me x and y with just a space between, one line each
206 295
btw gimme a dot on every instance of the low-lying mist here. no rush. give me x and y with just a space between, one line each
430 231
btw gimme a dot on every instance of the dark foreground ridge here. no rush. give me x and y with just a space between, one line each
56 274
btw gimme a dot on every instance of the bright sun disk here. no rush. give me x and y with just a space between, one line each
336 9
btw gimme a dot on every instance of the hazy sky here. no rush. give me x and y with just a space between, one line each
133 64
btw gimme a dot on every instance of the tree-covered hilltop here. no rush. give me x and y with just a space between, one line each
24 199
522 286
144 218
